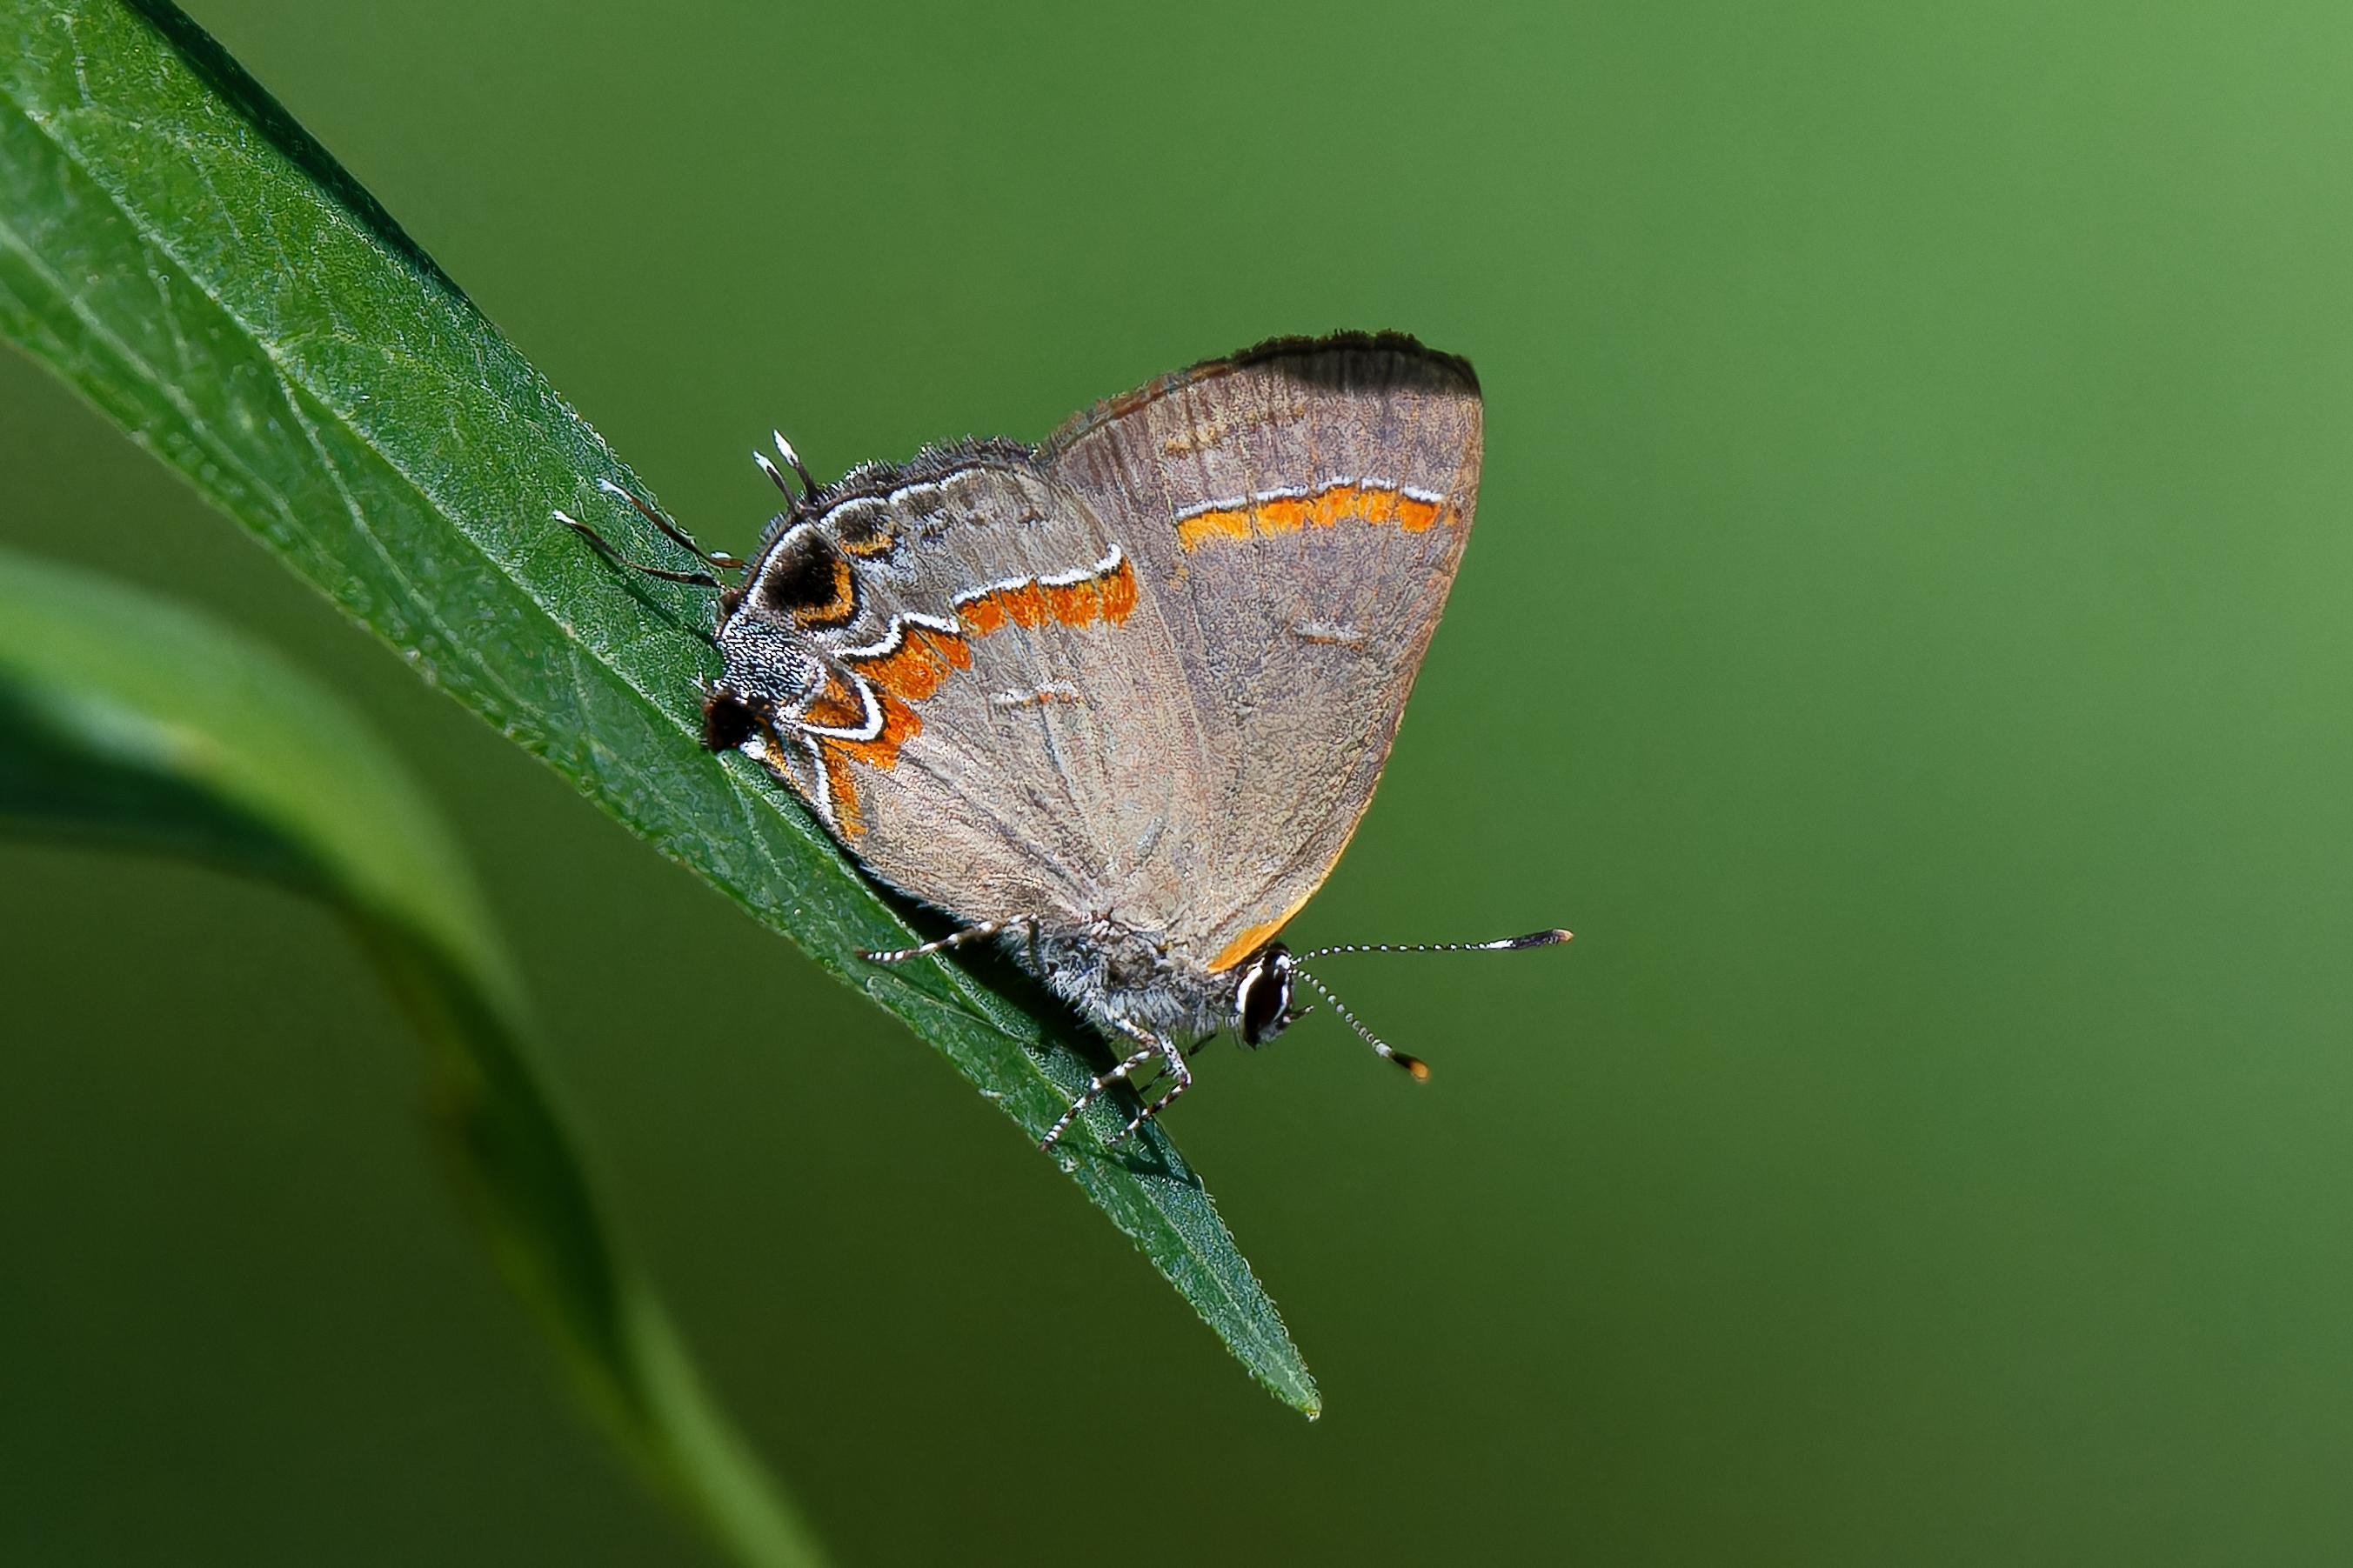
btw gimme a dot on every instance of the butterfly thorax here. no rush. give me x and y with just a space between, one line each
1116 975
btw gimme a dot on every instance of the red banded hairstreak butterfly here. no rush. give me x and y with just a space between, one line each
1119 700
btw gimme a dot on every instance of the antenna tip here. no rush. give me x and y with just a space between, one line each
1537 938
1414 1065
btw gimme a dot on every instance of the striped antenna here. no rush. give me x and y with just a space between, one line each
1508 945
1414 1065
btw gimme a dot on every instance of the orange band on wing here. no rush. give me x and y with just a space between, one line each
916 667
912 666
1264 516
836 708
1107 593
899 725
1115 593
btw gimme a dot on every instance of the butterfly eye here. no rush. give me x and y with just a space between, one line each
1263 1000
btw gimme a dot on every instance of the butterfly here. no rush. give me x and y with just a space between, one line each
1118 700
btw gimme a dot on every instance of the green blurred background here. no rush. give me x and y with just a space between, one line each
1905 637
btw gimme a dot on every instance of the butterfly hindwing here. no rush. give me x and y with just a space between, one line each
993 720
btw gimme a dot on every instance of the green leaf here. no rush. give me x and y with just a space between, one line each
127 722
196 267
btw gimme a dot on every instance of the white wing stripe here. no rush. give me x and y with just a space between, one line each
1298 492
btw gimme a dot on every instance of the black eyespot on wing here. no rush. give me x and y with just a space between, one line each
727 721
809 579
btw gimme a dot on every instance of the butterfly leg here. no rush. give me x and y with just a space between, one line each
1102 1082
969 934
676 534
1173 1060
605 548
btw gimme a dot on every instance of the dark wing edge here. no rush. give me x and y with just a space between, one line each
1323 361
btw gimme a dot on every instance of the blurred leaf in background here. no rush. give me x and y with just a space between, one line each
128 723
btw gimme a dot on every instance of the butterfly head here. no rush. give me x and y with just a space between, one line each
1263 997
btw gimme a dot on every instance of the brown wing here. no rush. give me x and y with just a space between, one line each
973 693
1296 514
1150 674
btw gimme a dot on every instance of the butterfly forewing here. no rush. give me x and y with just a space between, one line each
1298 512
